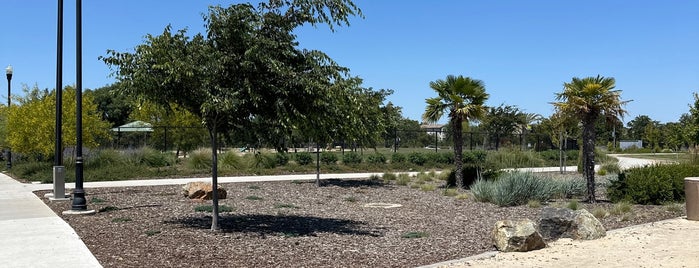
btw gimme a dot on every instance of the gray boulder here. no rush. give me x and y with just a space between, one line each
517 236
566 223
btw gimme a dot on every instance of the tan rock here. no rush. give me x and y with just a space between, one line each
202 191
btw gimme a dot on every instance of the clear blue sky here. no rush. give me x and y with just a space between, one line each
523 50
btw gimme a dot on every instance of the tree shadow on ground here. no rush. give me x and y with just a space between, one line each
287 225
350 183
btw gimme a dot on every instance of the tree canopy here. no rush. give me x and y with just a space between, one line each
245 73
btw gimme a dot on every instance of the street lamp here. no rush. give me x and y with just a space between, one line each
8 71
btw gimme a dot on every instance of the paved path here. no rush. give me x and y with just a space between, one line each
31 235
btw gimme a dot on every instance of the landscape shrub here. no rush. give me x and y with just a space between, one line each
328 158
397 158
199 159
569 187
656 184
440 158
231 159
304 158
154 158
281 158
33 171
514 189
376 158
417 158
351 158
514 159
261 160
106 157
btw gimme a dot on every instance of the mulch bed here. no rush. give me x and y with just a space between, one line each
296 224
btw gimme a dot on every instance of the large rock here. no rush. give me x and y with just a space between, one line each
517 236
202 191
576 224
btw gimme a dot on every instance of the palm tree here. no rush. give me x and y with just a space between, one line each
463 98
587 99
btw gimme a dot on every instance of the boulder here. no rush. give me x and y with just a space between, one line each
517 236
566 223
202 191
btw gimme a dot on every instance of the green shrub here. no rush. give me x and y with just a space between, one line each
328 158
281 158
569 187
657 184
417 158
261 160
440 158
514 189
376 158
106 157
622 207
199 159
610 167
450 192
573 204
304 158
514 159
153 158
403 179
388 176
470 175
398 158
428 187
34 171
351 158
231 160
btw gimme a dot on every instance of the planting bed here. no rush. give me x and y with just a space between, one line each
296 224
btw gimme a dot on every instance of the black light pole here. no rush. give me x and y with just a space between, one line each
58 158
79 202
8 71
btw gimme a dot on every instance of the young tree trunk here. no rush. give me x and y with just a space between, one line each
318 164
589 157
214 178
458 151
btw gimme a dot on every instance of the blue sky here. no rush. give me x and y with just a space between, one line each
523 50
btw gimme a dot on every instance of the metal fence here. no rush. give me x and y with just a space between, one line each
185 138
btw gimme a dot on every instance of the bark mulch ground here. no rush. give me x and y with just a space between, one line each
296 224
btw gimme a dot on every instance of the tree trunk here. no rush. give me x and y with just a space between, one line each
318 164
458 151
589 156
214 178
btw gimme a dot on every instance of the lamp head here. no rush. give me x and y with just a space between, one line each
8 70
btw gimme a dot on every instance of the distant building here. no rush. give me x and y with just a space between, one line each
434 129
630 144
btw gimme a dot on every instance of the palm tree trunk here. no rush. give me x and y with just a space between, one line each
589 157
458 151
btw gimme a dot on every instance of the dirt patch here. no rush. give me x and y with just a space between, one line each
292 224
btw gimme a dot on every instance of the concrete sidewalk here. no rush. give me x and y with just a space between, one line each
32 235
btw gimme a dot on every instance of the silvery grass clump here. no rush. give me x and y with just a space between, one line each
518 188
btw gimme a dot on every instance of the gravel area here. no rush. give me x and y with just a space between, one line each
296 224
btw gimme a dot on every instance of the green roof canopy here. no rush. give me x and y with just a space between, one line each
135 126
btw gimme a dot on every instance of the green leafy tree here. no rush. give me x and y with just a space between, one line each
463 98
31 126
114 108
175 126
637 127
694 119
587 99
246 74
501 122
